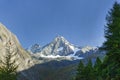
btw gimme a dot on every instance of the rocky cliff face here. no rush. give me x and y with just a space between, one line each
22 58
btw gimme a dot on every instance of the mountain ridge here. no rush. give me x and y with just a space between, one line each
60 47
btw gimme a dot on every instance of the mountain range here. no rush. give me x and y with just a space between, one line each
57 57
59 48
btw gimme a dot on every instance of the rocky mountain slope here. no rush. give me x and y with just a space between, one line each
9 40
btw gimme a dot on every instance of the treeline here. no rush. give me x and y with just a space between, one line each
89 71
109 68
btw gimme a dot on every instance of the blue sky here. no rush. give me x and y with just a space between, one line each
38 21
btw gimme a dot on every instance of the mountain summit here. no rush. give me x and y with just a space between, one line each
60 47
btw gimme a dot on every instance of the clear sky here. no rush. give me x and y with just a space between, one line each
38 21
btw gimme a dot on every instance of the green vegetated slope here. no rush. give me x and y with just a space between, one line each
50 71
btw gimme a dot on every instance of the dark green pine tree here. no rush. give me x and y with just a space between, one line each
85 72
97 63
80 71
111 64
89 71
8 67
97 69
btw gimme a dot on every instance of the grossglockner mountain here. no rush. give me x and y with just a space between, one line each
61 48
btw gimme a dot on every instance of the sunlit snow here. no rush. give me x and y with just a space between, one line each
50 56
60 49
74 56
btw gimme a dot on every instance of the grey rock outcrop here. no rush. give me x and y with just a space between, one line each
22 58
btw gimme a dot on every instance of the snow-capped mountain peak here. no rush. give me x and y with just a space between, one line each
60 47
87 48
60 39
